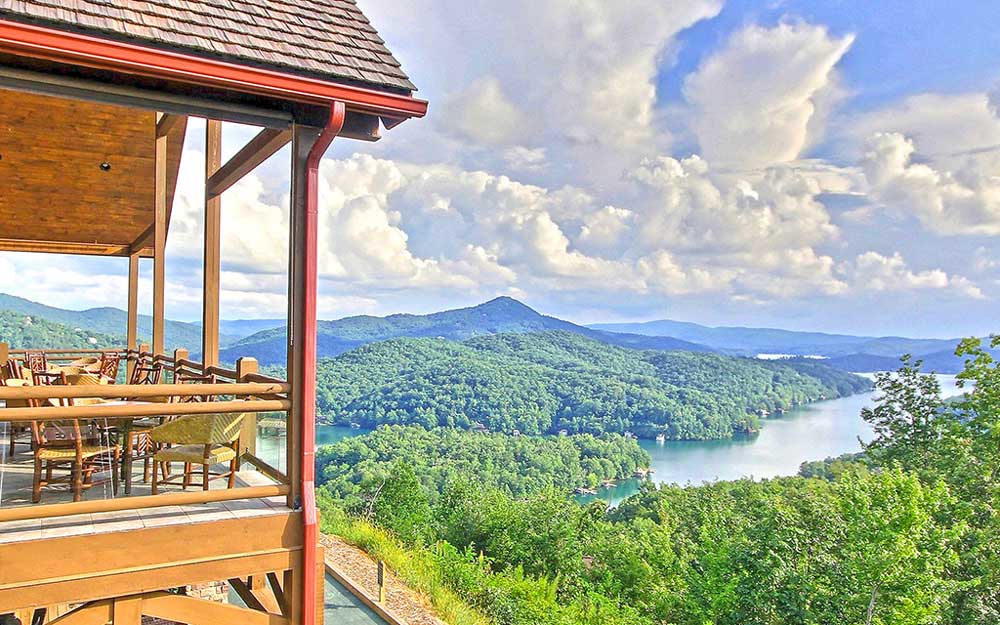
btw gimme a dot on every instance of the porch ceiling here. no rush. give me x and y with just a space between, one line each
77 177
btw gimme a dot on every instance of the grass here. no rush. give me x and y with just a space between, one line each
415 566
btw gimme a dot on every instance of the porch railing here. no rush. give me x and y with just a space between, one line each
240 390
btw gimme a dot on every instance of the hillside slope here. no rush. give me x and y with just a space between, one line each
107 321
21 331
500 315
546 381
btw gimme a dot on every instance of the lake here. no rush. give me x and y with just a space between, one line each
812 432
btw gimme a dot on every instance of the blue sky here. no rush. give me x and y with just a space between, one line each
811 165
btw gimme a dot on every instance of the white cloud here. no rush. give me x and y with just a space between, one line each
949 128
874 272
484 114
760 100
965 201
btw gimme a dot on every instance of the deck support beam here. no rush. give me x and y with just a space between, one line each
159 242
255 152
132 334
212 256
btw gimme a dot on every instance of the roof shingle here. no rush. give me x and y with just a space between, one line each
327 38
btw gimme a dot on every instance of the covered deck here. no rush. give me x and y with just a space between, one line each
92 125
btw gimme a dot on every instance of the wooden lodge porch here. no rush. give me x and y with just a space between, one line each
104 517
140 542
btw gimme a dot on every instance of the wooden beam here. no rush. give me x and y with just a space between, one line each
248 435
94 613
256 594
361 126
245 593
127 611
212 256
96 566
279 592
258 150
159 242
175 147
303 140
200 612
144 502
132 322
167 122
61 247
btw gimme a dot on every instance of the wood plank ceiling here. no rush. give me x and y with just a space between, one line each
77 177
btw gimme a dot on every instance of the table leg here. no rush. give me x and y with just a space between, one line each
127 460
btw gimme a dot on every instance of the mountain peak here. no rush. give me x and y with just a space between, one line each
507 305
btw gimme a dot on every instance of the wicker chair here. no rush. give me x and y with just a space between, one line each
63 443
17 430
205 439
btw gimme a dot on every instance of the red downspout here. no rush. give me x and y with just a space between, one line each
308 364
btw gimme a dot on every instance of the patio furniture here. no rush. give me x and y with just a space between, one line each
16 430
135 434
64 444
205 440
110 361
36 361
192 378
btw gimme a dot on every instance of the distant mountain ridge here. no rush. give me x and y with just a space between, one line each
497 316
848 352
108 321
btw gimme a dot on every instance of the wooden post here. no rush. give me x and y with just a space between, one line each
179 354
248 435
303 138
127 611
159 241
133 310
4 352
212 259
381 581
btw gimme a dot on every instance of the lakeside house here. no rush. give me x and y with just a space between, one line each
95 99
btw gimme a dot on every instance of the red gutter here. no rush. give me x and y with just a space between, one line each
73 48
307 353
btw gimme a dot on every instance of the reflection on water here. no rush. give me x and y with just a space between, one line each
271 445
814 432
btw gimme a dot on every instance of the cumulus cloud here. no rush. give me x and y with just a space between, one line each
965 201
874 272
756 101
949 128
483 113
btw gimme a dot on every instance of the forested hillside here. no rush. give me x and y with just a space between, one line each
546 381
500 315
516 465
105 321
27 332
905 535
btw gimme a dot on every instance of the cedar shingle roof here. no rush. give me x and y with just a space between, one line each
330 39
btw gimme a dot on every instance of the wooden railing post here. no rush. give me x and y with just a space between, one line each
4 352
248 436
179 354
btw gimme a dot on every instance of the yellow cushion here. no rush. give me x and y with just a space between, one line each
195 454
69 453
200 429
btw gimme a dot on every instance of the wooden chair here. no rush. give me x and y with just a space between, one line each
36 362
205 440
16 430
63 443
138 444
193 378
12 370
110 361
